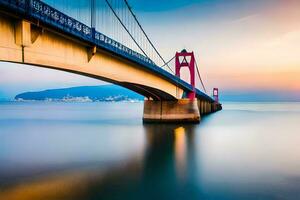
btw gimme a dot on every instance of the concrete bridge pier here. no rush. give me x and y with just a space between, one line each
181 110
201 107
206 107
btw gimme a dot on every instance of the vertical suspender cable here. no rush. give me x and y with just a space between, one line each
125 28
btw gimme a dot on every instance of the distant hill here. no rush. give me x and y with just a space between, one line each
82 94
117 93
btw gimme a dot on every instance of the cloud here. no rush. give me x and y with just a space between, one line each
245 18
288 39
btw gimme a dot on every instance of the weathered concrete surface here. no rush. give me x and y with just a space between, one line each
182 110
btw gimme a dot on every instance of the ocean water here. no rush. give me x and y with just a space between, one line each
103 151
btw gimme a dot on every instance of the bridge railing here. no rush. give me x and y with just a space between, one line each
53 17
50 15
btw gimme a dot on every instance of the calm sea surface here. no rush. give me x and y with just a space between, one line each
103 151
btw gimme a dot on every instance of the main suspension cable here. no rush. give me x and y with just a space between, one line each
198 72
168 62
129 8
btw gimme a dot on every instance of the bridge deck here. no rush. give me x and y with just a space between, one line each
45 14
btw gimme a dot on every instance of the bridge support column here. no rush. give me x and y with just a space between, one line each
203 107
200 106
182 110
206 107
209 107
23 33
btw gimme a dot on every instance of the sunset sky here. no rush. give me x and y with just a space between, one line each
240 46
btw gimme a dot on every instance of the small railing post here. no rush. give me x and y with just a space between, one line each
93 18
28 5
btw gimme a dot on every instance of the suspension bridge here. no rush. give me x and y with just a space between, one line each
104 39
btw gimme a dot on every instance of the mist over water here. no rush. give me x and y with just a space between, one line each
104 151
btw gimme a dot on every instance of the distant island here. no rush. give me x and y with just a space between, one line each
111 93
115 93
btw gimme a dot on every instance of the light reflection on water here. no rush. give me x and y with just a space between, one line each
103 151
180 152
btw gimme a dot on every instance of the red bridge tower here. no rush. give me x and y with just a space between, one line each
216 95
186 59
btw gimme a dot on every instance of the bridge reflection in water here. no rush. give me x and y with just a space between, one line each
162 167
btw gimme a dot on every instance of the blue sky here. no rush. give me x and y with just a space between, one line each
240 45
